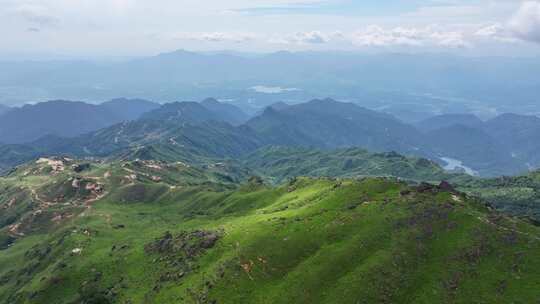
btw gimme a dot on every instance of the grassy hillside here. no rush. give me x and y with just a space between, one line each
280 163
164 233
519 195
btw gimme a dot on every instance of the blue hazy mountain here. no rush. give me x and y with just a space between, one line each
66 118
187 130
428 82
4 109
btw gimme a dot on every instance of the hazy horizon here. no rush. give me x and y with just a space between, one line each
129 28
20 57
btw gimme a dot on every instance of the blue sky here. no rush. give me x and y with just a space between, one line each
144 27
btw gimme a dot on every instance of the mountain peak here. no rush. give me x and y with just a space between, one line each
327 100
210 100
195 113
447 120
228 112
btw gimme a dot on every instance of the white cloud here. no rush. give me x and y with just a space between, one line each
216 37
122 27
308 37
272 90
34 14
493 30
370 36
525 23
376 36
450 39
497 32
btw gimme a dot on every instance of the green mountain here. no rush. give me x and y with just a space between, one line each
520 134
129 109
331 124
182 113
504 145
228 112
189 130
476 149
448 120
517 195
12 155
156 232
280 163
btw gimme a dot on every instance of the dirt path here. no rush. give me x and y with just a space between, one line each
502 228
42 203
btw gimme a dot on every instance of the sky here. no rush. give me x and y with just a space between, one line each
110 28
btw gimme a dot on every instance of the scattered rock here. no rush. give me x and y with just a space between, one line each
80 167
94 187
446 187
57 164
456 198
179 252
405 192
209 240
430 188
426 187
76 183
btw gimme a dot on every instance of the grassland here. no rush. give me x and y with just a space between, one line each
171 233
516 195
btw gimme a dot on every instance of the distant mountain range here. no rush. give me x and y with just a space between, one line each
195 112
330 124
70 119
4 109
210 129
129 109
229 113
507 144
66 118
418 84
448 120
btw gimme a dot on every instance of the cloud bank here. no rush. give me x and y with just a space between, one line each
266 25
525 23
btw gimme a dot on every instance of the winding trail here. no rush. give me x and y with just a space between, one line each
503 228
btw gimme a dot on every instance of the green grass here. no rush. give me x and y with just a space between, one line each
517 195
307 241
281 163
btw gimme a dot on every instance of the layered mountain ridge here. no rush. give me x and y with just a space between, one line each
215 129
